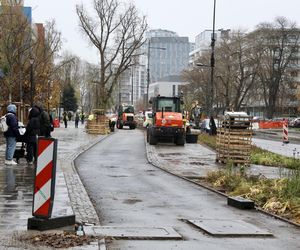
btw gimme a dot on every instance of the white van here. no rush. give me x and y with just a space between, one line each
147 119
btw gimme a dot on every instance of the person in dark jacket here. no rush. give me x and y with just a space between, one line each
76 120
45 124
31 134
11 134
65 118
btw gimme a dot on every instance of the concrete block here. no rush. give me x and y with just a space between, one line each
240 202
51 223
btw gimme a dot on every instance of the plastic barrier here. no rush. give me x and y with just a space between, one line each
44 189
56 123
44 185
285 133
270 124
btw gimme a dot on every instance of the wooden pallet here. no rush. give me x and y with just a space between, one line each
234 140
98 126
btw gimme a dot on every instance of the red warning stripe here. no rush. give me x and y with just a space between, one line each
43 144
43 177
44 209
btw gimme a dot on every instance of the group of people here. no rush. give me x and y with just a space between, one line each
39 124
68 117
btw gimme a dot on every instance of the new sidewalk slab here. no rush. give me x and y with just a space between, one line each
196 160
16 188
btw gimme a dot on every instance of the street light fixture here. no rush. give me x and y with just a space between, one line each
31 60
148 67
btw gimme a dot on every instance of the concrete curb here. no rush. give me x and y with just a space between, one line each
80 201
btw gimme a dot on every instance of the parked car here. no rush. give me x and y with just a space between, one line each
147 119
295 123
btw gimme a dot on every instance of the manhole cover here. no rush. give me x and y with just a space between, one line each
137 232
231 228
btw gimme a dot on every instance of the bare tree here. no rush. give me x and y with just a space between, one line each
278 43
237 68
117 33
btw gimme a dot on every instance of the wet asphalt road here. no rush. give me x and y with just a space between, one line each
127 191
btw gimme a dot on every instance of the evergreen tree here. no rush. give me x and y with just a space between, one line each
69 100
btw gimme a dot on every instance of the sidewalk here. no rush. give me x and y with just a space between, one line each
16 187
195 160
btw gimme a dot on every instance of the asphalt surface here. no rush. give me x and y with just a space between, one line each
127 191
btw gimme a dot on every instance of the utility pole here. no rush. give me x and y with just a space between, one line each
148 73
31 82
132 68
212 66
148 67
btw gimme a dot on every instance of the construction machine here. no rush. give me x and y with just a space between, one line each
168 121
126 116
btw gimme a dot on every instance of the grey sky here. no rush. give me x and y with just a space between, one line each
186 17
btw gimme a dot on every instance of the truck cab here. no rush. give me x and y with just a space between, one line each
126 116
167 120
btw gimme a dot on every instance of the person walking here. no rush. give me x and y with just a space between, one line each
82 118
65 119
11 134
45 124
76 120
31 134
70 116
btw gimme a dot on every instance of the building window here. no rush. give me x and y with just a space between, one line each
174 90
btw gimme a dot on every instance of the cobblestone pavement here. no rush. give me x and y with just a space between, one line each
16 187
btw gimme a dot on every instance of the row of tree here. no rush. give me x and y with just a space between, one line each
26 56
31 70
257 68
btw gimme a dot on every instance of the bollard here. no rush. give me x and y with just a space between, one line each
44 188
285 135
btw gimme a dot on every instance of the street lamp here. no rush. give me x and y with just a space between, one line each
31 60
148 67
210 101
212 64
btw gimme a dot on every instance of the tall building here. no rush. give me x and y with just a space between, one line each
203 43
168 53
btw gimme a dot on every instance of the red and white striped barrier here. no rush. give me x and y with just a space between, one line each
44 185
285 135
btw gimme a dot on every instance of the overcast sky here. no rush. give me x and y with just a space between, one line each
186 17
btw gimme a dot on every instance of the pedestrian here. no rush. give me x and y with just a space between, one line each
82 118
76 120
45 124
70 116
11 134
31 134
65 119
212 125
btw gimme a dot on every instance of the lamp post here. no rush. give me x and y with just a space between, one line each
132 84
148 67
212 65
210 90
31 60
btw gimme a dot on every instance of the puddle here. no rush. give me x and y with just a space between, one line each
16 188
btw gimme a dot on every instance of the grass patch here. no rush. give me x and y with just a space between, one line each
279 196
258 156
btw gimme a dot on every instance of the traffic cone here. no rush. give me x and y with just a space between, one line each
285 133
